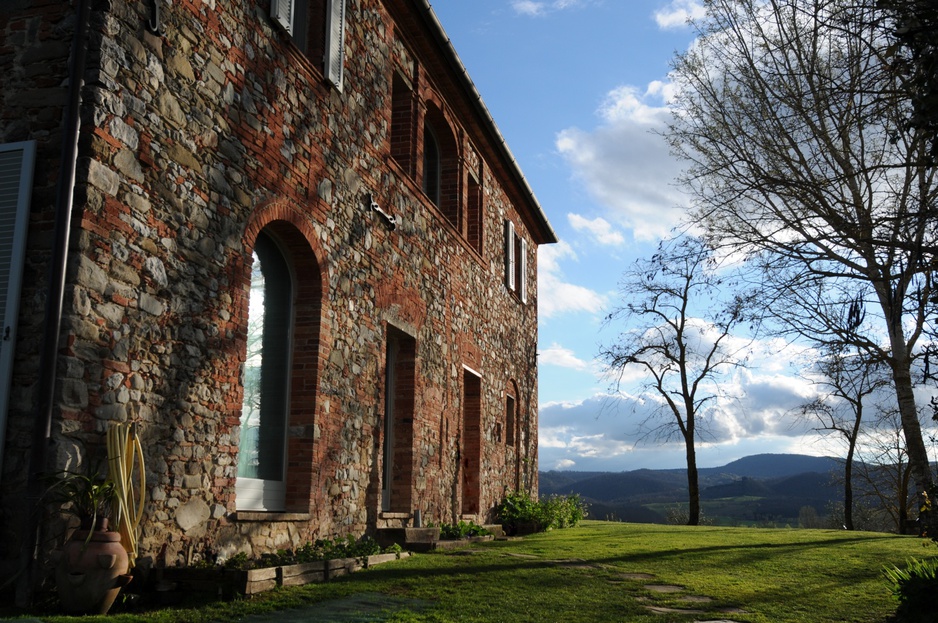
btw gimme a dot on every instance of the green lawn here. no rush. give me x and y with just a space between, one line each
601 572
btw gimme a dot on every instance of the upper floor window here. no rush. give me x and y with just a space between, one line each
402 123
318 29
432 165
516 262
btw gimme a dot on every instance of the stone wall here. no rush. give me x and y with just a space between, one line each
195 140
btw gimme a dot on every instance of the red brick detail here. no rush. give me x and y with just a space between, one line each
301 247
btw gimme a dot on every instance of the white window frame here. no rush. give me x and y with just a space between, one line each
257 494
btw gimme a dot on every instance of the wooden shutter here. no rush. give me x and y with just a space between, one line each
282 13
335 43
510 255
523 271
16 182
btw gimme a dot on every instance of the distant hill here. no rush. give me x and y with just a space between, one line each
756 489
777 465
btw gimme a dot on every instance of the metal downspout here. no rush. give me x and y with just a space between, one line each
64 199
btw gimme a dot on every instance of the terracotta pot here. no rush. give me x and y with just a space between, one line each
91 571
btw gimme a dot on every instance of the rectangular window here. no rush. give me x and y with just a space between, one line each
403 141
510 421
516 262
317 27
474 214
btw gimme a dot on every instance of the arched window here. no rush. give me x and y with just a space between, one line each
265 407
432 165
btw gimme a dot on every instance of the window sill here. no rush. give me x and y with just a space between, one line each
266 516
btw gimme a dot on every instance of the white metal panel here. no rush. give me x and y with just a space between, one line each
335 43
510 255
16 182
282 12
523 272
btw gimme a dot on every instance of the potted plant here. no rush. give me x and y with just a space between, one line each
94 564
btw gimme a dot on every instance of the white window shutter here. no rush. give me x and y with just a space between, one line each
523 272
282 12
16 183
510 255
335 43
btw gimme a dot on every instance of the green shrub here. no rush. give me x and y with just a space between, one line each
555 511
462 530
915 588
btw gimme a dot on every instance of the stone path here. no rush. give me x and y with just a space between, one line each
690 599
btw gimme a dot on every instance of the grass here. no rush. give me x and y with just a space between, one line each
587 574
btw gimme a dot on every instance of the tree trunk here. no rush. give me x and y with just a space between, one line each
848 486
693 488
908 413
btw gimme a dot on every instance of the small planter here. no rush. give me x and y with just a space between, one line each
91 571
378 559
251 581
342 566
522 528
229 582
305 573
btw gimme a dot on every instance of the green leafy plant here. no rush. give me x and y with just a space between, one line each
89 498
462 530
321 549
915 588
552 512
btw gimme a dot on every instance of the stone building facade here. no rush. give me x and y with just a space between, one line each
295 251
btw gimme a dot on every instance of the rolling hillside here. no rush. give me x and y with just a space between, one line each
761 489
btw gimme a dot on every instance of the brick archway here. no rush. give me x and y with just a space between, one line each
297 238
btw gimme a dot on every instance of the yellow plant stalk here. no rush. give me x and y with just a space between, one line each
123 451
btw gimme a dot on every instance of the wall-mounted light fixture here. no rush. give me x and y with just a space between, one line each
389 219
155 23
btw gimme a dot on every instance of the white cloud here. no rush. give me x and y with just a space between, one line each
599 228
536 8
678 12
565 464
625 165
755 413
561 357
554 295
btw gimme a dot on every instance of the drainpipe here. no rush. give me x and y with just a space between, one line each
64 198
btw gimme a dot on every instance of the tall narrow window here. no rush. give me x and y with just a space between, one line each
261 458
516 262
432 165
472 442
510 420
402 123
398 454
474 214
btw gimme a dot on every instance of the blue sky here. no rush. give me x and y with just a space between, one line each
578 88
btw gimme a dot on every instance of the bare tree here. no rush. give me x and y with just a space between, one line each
885 473
846 381
800 155
914 58
682 352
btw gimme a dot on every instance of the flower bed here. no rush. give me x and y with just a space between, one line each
229 582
